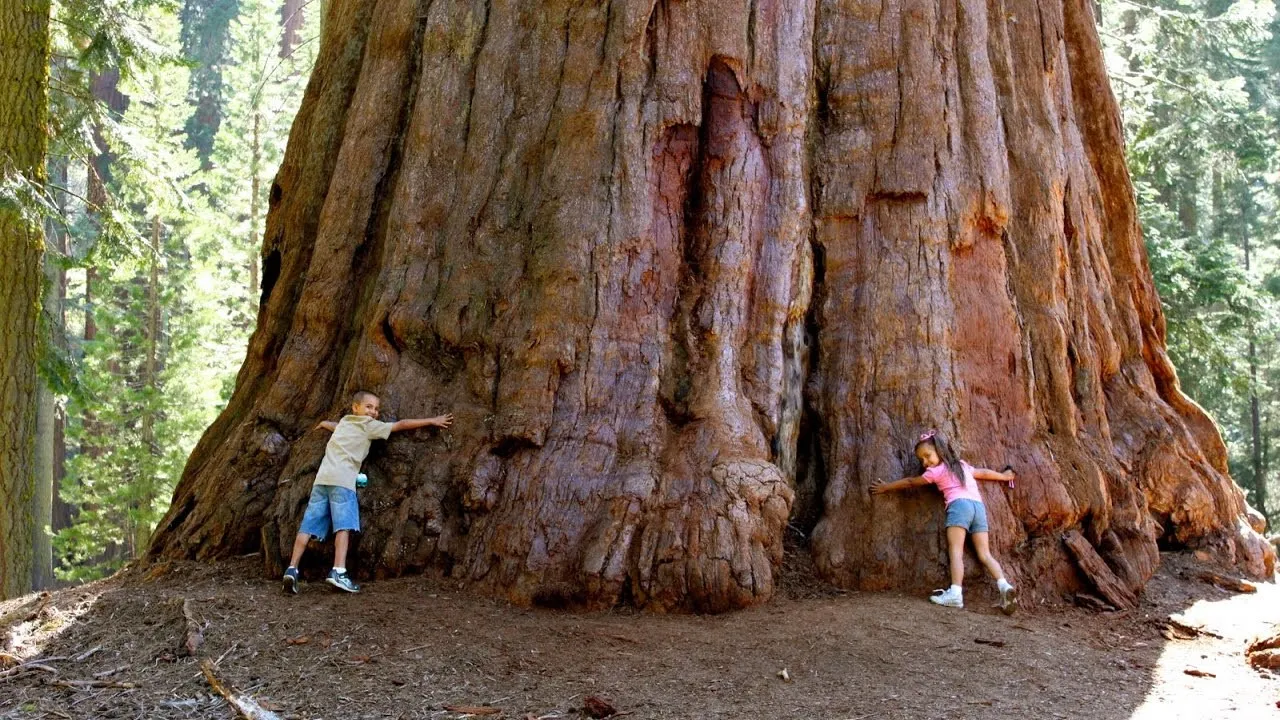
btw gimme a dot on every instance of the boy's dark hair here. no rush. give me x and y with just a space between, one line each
946 453
360 396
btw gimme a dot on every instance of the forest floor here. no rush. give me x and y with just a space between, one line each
410 648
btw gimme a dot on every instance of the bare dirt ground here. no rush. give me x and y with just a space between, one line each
407 648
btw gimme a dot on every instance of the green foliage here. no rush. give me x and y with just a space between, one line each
92 40
172 247
263 94
1197 85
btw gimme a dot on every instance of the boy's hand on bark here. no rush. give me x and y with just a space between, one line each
443 421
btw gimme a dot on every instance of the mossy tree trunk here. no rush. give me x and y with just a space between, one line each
24 89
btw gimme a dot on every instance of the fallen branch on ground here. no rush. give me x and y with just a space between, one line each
1227 583
1265 660
245 706
1173 629
473 709
78 684
1270 643
25 667
1264 653
1091 602
195 633
87 653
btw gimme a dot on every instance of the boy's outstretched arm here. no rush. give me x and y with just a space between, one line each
441 421
326 425
879 487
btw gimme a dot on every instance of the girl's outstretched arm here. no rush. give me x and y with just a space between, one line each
985 474
880 487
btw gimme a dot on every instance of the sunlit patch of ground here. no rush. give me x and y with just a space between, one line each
36 620
1206 677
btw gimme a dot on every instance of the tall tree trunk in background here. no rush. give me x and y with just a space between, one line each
291 18
50 448
205 40
42 496
632 244
46 447
98 170
105 88
150 380
60 514
24 91
1255 416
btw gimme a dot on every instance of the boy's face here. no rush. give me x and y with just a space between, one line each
368 406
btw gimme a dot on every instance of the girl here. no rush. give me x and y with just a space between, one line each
965 514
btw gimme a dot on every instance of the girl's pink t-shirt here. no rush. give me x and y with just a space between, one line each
951 486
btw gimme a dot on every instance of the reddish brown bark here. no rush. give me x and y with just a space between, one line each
675 265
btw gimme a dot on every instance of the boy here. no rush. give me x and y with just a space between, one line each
333 495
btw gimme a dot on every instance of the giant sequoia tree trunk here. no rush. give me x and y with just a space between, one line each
685 270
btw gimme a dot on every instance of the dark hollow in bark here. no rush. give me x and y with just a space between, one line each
675 265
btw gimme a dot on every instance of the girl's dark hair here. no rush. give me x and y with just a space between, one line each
945 453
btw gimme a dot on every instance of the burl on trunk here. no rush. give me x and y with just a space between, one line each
690 272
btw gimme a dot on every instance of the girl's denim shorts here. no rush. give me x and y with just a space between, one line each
968 514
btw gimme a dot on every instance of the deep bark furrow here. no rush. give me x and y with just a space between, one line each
678 267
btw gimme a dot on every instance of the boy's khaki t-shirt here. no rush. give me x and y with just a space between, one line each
348 448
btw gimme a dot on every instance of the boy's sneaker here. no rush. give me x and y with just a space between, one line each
947 598
342 581
291 581
1009 600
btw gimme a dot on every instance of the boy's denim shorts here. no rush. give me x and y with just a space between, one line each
968 514
330 505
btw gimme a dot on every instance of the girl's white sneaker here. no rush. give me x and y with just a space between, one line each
1009 600
947 598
